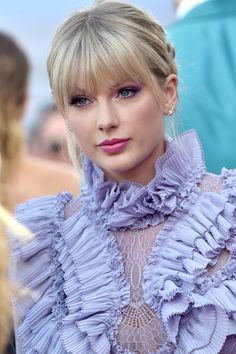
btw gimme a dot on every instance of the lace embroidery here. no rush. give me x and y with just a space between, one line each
140 330
211 183
72 207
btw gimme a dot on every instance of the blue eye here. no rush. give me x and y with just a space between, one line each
79 101
128 92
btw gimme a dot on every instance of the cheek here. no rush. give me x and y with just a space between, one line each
80 127
148 117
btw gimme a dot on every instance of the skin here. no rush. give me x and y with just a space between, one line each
126 110
52 133
33 177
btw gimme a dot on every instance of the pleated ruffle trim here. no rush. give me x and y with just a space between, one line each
77 279
197 309
37 270
131 205
80 286
75 271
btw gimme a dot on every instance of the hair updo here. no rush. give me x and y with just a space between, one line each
110 40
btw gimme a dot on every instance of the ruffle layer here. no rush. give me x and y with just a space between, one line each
75 269
95 286
75 301
198 310
131 205
37 271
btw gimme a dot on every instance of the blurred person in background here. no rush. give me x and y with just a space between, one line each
23 176
204 38
47 138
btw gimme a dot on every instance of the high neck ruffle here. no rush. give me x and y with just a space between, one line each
131 205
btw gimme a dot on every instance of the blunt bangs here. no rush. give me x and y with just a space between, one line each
94 57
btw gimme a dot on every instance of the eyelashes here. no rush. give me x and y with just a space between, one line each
79 101
129 91
123 93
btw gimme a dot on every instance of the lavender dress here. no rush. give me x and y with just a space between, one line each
129 268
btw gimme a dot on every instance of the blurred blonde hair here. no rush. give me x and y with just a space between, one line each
13 81
14 70
111 39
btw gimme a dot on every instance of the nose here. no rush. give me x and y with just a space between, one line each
107 117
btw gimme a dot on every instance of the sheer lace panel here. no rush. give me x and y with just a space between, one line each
211 183
140 330
71 208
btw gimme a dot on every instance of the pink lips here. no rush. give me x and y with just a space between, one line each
114 145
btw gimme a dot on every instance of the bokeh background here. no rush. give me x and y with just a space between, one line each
33 24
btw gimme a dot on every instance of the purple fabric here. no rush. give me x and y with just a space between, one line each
134 206
75 268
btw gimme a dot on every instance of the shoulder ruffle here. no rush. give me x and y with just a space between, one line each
197 309
95 286
38 311
75 274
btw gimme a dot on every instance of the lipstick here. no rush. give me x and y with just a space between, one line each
114 145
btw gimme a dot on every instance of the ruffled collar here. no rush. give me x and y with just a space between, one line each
131 205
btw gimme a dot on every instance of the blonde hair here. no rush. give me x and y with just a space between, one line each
111 39
13 81
14 69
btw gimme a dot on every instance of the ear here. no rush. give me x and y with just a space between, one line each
170 94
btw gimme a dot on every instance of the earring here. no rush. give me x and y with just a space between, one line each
171 112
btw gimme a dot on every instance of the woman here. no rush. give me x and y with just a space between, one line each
22 176
144 260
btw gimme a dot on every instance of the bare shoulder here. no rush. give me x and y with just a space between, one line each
44 177
56 176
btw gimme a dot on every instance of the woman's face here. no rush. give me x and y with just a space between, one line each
121 127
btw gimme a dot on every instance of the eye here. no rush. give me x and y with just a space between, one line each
55 147
127 92
79 101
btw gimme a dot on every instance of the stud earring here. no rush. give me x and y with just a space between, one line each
171 112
